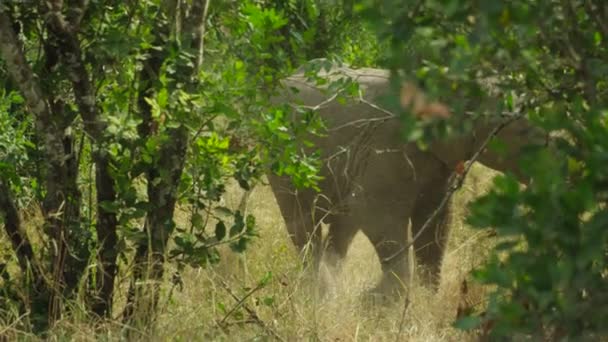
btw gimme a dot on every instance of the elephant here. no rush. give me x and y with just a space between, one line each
375 182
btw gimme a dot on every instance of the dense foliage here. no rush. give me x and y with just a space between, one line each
547 60
115 113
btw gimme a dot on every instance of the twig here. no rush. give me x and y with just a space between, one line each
252 313
13 324
406 305
375 106
456 183
240 322
478 236
202 30
202 126
320 105
240 301
358 123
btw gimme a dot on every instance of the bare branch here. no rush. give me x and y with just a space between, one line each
199 12
318 106
356 123
361 122
252 313
406 305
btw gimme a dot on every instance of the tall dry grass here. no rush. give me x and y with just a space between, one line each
286 307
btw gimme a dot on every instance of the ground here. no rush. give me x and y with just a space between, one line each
285 307
295 314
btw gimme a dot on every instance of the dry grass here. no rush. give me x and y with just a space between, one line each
343 316
291 312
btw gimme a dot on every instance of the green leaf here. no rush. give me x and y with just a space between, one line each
268 301
163 98
110 207
243 184
236 229
197 221
467 323
220 231
250 222
266 279
224 210
241 245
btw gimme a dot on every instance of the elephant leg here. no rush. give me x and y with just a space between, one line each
430 244
389 236
301 219
339 237
305 234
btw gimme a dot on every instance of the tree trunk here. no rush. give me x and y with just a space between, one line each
164 193
84 93
76 240
58 203
164 175
30 268
147 78
163 182
12 226
106 238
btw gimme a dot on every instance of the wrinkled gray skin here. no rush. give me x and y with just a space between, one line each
375 183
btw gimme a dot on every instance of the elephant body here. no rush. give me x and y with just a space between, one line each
375 182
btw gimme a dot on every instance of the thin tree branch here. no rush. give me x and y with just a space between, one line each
252 313
197 27
406 305
360 122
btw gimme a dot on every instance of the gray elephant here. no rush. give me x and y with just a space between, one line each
376 183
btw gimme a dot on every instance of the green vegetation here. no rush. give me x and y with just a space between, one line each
548 61
126 127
